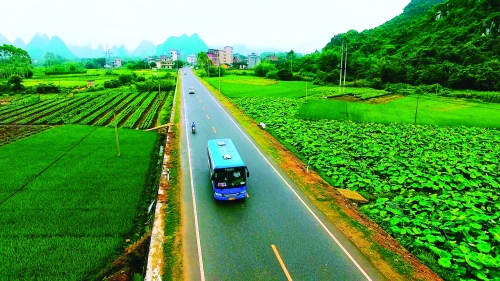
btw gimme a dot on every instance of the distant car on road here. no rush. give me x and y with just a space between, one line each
191 90
184 73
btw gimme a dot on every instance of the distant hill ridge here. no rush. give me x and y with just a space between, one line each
40 44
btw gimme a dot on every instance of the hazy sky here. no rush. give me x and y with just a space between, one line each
302 26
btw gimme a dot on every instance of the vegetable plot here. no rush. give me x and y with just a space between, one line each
435 189
132 110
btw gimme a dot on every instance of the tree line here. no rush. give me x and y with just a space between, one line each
14 61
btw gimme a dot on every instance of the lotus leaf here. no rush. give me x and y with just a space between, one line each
473 262
476 225
495 231
484 247
416 230
480 275
445 262
431 238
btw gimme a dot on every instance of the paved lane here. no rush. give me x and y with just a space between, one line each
245 240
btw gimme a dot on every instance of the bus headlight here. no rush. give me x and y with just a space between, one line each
217 194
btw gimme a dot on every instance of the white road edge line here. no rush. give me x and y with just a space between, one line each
294 192
198 243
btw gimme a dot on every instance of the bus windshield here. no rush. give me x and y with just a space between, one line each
229 177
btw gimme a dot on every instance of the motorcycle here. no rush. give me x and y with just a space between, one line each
193 129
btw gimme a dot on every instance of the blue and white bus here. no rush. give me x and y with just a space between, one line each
228 173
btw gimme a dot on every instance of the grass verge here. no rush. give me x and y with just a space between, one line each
172 246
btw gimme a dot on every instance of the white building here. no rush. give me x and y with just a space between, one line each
117 62
227 56
174 55
191 59
253 60
163 62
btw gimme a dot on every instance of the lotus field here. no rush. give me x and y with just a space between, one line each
435 189
132 110
68 202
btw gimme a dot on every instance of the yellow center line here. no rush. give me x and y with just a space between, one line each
214 129
208 117
288 277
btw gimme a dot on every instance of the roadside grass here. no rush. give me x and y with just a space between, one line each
395 260
430 110
172 247
432 261
70 198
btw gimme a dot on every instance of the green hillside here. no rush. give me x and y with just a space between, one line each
454 43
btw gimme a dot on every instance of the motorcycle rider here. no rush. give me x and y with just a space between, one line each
193 126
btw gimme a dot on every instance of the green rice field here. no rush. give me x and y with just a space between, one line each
68 201
251 86
364 104
429 111
99 76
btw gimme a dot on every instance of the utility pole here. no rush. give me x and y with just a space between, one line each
208 68
107 55
341 59
416 111
345 64
218 60
306 90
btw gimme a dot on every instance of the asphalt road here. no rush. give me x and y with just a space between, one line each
275 234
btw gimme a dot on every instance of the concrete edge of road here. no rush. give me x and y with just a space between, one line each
155 260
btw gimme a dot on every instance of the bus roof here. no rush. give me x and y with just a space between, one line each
224 154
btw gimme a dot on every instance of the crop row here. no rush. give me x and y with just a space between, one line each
88 109
110 114
48 111
13 116
103 107
130 123
148 121
19 105
435 189
131 107
62 115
